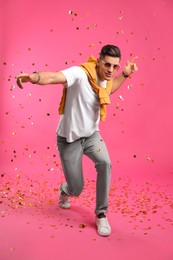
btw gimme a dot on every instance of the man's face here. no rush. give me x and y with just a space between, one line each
107 67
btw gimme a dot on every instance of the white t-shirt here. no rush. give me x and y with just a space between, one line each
81 114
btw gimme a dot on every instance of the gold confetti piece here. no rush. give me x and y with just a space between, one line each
117 105
82 225
121 15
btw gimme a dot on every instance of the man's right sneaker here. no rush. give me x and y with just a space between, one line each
64 201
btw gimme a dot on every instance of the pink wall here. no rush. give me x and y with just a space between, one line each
45 35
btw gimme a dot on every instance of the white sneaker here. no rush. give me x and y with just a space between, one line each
103 227
64 201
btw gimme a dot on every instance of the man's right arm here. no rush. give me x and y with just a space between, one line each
41 78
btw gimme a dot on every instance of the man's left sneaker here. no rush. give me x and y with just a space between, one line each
103 227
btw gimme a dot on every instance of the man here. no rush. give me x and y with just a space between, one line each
85 96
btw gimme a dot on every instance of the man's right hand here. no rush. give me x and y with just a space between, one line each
23 78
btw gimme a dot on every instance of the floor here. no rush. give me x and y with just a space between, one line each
32 227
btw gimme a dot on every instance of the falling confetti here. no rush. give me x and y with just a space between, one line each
82 226
121 97
149 159
130 86
121 15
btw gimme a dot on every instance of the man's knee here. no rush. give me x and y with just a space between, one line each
104 163
76 190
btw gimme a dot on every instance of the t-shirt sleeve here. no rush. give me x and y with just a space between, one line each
72 74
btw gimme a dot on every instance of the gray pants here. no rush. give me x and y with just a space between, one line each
71 159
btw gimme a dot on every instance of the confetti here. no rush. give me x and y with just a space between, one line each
121 15
117 105
140 204
130 86
149 159
82 225
121 97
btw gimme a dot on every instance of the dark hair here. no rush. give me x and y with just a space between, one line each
110 50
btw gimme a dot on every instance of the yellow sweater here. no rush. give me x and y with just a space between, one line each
103 93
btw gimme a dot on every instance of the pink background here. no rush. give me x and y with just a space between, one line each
53 35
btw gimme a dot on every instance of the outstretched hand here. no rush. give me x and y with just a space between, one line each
130 66
22 78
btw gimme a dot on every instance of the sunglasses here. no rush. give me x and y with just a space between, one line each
108 65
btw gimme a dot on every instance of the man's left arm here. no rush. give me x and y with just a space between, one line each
129 68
